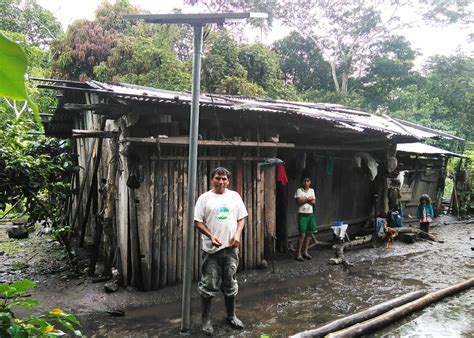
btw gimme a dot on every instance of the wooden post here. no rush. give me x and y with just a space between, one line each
164 228
109 207
93 187
157 206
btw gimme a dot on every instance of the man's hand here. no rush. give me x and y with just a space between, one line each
235 241
215 241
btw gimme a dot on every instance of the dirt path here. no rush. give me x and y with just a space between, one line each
296 297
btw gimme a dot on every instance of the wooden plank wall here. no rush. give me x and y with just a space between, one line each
159 215
150 222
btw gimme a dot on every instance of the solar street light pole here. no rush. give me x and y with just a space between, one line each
191 196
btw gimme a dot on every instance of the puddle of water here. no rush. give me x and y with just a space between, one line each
451 317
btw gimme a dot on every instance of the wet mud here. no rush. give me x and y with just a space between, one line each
296 296
304 295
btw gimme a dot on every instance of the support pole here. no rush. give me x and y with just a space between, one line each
191 192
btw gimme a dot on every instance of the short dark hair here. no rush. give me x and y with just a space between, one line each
220 171
425 198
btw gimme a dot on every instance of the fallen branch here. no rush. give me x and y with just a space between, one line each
340 259
361 316
401 311
422 234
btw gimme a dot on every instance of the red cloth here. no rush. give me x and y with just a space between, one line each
281 174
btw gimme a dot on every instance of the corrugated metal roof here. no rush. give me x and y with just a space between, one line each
336 114
425 149
343 116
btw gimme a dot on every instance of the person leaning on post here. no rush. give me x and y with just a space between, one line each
219 215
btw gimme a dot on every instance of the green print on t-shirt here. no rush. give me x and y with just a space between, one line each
222 212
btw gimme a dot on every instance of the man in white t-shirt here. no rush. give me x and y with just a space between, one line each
220 217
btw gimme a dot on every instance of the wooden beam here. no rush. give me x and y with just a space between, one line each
77 133
97 107
341 147
206 143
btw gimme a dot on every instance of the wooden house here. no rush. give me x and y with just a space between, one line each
132 147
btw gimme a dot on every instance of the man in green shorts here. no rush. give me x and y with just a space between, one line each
305 199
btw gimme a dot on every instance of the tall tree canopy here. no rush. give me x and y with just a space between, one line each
27 17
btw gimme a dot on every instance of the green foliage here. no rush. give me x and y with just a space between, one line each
44 325
221 61
443 98
12 85
33 168
28 18
302 63
390 69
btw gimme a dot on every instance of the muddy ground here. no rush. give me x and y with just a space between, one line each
296 296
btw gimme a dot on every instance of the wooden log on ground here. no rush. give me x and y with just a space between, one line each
397 313
361 316
410 230
340 259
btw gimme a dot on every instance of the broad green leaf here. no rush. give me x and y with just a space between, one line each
23 285
66 324
27 303
4 288
12 72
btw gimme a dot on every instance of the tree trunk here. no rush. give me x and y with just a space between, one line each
345 83
334 75
361 316
400 312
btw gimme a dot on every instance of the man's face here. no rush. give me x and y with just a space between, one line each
219 183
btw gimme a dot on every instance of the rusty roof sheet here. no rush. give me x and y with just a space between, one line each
336 114
343 116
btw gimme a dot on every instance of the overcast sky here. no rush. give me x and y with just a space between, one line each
427 40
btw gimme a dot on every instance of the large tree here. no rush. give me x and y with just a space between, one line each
443 98
390 69
111 48
302 63
30 19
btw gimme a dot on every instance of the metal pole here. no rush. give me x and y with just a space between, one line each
191 192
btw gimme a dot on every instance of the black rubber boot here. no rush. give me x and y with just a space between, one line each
231 318
206 325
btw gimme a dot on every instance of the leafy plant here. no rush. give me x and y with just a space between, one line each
12 84
49 324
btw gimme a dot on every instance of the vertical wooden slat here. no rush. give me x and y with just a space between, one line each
133 235
122 217
185 209
171 225
144 220
158 189
164 227
260 203
270 205
254 214
174 221
180 202
248 245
